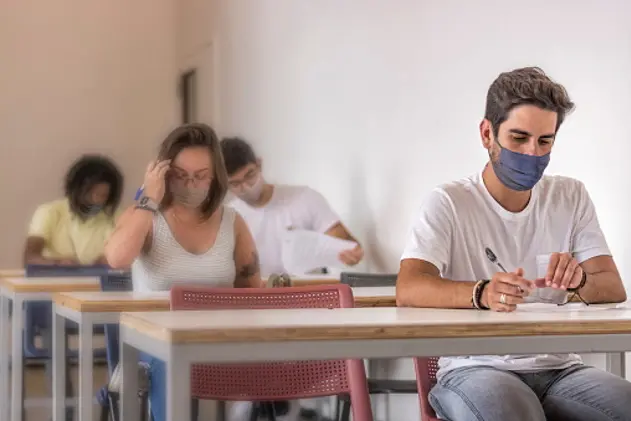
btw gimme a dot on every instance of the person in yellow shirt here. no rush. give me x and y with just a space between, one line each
73 230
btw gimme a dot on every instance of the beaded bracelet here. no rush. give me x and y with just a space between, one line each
478 290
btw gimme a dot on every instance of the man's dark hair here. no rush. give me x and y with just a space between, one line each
528 85
87 172
237 153
197 135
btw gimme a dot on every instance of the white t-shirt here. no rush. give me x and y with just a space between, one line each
459 220
297 207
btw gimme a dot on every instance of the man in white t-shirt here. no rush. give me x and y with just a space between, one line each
270 210
476 243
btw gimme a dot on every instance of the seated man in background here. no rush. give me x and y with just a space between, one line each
73 230
270 210
520 217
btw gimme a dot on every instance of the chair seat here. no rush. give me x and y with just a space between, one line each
385 387
380 386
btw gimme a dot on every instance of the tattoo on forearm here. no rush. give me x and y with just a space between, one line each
251 268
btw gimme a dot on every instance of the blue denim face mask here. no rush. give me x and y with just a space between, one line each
91 210
519 171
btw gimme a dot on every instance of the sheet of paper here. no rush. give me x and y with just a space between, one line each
304 251
547 296
546 308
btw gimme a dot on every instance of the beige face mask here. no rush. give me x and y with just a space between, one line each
189 196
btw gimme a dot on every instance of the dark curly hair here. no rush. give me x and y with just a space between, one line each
528 85
87 172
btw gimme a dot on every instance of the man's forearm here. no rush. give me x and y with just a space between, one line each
339 231
433 291
603 287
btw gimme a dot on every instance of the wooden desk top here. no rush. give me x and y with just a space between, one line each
14 280
51 285
12 273
374 323
110 302
374 296
113 302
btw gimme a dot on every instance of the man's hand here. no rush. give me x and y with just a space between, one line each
506 290
353 256
563 272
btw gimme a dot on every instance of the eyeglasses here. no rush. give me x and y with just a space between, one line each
249 179
195 180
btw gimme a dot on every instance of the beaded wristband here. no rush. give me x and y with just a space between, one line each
581 285
476 298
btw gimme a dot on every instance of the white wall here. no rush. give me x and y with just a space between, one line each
79 77
375 102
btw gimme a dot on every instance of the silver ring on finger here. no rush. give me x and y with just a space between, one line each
503 299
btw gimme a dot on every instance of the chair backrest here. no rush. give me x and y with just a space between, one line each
426 369
274 380
114 281
356 279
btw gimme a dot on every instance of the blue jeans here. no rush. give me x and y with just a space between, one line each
157 386
577 393
47 341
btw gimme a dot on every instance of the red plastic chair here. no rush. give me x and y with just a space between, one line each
426 369
273 381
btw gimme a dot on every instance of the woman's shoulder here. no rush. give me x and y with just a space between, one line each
232 217
53 209
48 218
58 205
229 219
228 212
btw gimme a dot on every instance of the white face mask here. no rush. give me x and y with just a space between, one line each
251 194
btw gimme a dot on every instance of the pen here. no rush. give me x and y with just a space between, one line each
139 192
493 258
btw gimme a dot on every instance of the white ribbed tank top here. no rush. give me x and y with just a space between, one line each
168 263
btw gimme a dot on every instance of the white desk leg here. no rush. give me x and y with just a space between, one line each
16 359
616 364
129 405
59 366
86 365
5 368
178 388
